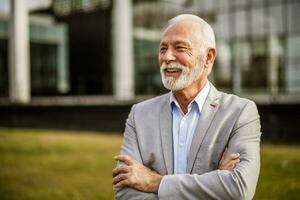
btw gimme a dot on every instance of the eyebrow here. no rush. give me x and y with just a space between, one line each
182 42
177 43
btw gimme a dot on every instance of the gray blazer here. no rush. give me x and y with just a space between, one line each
226 121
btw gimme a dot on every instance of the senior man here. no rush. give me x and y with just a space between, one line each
194 142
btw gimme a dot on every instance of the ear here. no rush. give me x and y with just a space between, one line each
211 54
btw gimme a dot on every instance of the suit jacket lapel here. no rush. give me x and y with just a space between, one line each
209 110
165 123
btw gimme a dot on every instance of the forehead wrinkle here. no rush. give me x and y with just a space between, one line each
183 41
188 31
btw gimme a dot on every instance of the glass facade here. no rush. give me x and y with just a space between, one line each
48 59
43 70
89 44
3 67
257 41
67 7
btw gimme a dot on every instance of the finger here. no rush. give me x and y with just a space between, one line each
234 156
120 169
125 158
122 183
231 157
231 165
119 178
232 161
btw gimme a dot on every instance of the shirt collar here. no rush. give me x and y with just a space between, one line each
199 99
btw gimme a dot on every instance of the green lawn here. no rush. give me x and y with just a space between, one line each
65 165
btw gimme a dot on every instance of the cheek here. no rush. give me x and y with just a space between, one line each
181 58
160 59
186 61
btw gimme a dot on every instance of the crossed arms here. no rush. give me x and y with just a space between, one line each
135 175
233 179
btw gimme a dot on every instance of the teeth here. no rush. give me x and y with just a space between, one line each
173 70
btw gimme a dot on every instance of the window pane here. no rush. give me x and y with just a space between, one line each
239 3
207 5
147 75
222 71
293 66
293 17
43 69
223 4
258 22
258 2
3 68
254 65
223 26
276 19
240 23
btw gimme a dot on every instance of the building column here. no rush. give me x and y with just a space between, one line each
19 70
274 53
122 59
237 77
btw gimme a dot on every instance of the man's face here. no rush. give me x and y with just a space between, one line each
179 56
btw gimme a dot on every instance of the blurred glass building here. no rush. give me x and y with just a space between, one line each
95 58
48 53
257 44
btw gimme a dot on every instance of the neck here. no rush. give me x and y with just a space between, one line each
185 96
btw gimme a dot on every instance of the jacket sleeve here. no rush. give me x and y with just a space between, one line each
223 184
130 147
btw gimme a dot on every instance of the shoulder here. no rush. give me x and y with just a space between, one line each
235 100
153 103
228 101
238 105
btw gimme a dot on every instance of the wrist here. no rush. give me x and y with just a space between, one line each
156 183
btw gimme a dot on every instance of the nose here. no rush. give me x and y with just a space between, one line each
168 56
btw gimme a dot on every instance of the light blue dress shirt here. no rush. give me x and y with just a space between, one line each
184 126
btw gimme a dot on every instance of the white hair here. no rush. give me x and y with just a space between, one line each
207 36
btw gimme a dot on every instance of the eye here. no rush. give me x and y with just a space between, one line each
181 48
162 49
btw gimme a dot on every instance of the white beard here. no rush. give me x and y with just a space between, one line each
186 78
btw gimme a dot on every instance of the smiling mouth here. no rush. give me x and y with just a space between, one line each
172 70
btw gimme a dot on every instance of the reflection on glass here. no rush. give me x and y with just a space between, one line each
258 44
293 64
3 68
254 73
222 29
293 17
258 19
147 75
276 19
222 72
240 18
43 68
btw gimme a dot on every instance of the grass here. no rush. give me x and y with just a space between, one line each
280 172
62 165
56 164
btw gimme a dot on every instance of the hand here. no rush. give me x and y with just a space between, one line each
228 163
134 174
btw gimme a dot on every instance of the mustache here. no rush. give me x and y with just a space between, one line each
173 65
